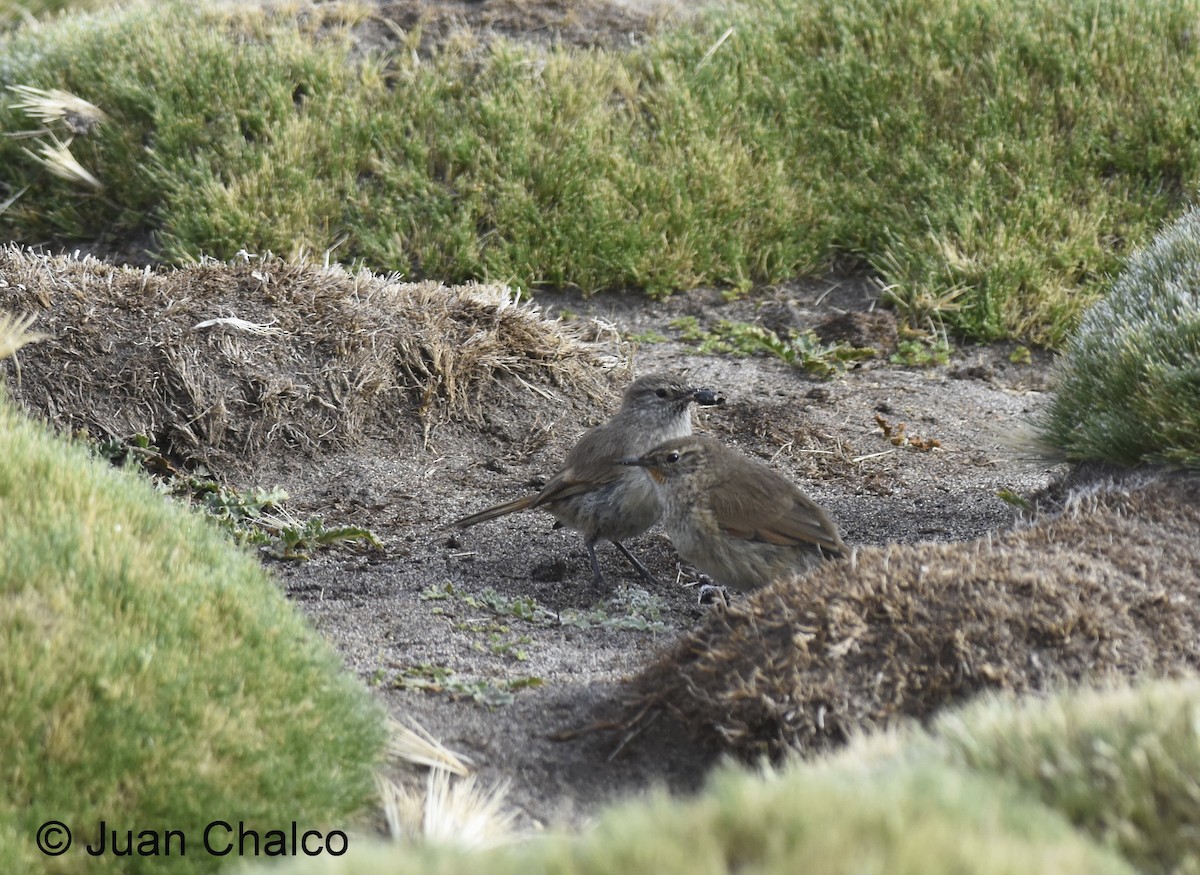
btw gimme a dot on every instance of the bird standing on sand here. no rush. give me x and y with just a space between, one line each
733 517
596 495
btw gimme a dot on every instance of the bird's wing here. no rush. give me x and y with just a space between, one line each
570 482
774 511
591 464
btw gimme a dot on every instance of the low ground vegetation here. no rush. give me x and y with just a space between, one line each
1129 383
990 161
128 624
1077 781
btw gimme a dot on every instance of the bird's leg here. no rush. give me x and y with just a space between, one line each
637 563
597 574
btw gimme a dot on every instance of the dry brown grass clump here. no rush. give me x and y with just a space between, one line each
1110 587
214 361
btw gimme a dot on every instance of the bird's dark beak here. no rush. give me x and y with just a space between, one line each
707 398
655 474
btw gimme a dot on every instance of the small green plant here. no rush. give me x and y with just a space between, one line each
737 338
257 517
439 679
523 608
650 336
804 350
741 339
442 592
922 352
300 539
738 291
818 358
239 513
629 609
499 644
923 309
1017 500
501 641
689 329
1021 355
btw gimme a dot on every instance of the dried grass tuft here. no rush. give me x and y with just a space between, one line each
448 811
55 156
15 334
1107 589
450 806
219 361
418 747
55 106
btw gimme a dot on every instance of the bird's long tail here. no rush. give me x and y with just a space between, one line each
497 510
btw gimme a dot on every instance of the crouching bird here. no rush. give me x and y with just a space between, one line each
733 517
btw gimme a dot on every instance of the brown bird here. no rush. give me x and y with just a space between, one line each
733 517
599 497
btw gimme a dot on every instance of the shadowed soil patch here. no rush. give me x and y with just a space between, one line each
1108 587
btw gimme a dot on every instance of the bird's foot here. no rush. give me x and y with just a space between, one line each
712 594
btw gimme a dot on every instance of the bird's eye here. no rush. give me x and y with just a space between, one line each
661 393
672 457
